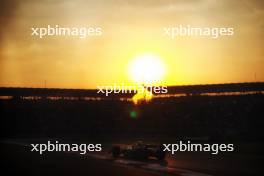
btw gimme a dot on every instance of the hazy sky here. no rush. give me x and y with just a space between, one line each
129 28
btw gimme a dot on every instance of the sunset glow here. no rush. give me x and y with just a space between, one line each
114 51
146 69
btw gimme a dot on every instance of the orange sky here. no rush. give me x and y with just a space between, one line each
129 29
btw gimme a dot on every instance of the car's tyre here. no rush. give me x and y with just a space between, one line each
116 151
160 154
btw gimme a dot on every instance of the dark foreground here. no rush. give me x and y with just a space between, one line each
18 160
235 118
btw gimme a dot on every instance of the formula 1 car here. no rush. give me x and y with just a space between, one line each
139 151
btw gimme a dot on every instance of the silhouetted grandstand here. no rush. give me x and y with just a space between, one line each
188 90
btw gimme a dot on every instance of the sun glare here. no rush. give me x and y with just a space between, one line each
146 69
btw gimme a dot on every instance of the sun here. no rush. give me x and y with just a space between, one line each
146 69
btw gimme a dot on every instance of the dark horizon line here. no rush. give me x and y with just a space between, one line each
169 86
188 90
